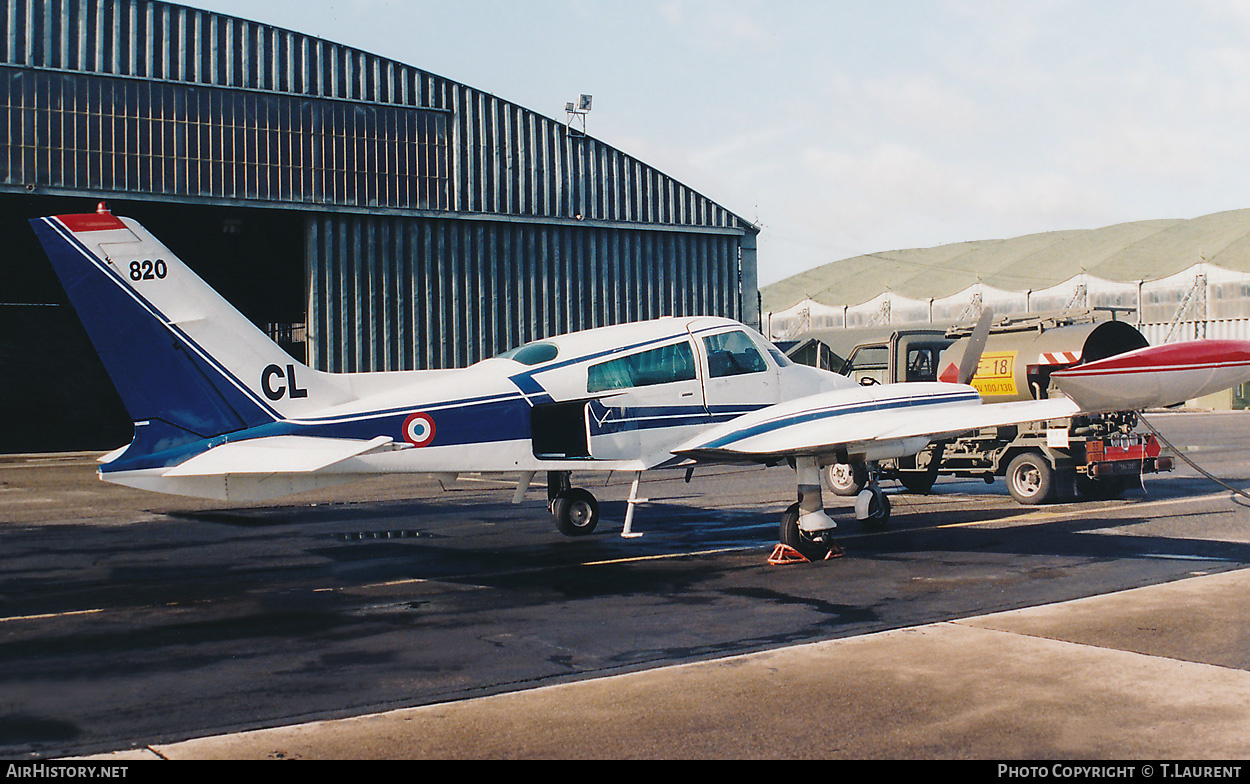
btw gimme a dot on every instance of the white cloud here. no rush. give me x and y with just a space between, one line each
718 23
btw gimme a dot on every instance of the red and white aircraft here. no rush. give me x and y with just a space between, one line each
222 412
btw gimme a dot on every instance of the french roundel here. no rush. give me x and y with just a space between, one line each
419 429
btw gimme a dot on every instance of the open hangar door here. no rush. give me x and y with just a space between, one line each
56 394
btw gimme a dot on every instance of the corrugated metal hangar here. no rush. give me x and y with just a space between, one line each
397 219
1173 279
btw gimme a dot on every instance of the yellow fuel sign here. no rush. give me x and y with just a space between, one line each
996 374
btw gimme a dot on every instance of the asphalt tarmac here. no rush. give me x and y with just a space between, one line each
1154 673
419 623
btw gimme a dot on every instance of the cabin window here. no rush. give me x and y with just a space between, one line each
658 366
732 354
532 353
868 358
922 364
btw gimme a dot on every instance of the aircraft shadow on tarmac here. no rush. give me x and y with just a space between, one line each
438 540
1066 530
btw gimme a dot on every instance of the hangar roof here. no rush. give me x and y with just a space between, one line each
204 107
1145 250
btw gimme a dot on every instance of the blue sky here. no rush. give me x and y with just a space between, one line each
851 127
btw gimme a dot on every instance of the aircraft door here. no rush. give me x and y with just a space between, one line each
738 377
660 402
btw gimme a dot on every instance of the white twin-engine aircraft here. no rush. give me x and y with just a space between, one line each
222 412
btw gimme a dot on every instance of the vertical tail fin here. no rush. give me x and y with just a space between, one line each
187 365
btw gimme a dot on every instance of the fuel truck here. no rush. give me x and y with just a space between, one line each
1095 457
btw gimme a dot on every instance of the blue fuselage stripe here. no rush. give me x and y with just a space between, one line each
606 420
489 420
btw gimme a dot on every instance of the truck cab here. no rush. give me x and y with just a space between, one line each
874 356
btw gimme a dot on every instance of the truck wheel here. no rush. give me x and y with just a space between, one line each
917 476
846 478
1030 479
917 481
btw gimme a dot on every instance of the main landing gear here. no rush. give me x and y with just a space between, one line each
805 527
575 510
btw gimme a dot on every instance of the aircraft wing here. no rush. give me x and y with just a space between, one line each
880 421
969 418
899 419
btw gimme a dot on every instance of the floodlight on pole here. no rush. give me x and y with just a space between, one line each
577 113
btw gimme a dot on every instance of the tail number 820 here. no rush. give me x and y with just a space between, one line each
148 269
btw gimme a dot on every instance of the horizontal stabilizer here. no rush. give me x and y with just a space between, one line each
276 455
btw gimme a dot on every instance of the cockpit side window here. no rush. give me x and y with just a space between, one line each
662 365
732 354
778 357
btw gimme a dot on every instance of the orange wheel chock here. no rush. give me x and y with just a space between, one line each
785 554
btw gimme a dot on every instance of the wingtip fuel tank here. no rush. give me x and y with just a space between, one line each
1156 376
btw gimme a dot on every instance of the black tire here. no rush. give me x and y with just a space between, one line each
576 512
878 512
1030 479
793 536
917 481
846 479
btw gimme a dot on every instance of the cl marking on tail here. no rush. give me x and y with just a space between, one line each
277 392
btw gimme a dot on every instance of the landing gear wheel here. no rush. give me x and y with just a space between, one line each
1030 479
872 507
793 536
576 512
846 479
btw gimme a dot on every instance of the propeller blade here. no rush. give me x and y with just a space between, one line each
976 345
